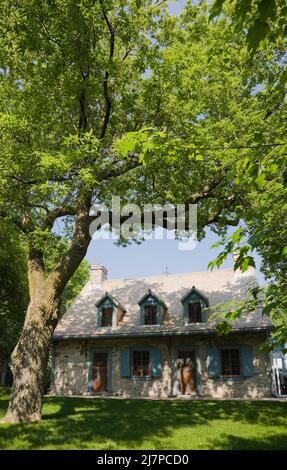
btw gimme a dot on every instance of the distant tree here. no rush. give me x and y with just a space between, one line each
13 292
14 296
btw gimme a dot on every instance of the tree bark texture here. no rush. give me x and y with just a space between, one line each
30 356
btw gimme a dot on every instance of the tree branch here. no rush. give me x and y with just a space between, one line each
160 220
108 102
217 217
48 35
75 253
20 224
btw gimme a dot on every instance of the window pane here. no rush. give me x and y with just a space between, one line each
150 314
107 316
140 364
194 312
230 363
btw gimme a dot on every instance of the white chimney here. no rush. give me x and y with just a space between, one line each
98 275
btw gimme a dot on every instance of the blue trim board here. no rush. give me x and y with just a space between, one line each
90 366
157 334
176 350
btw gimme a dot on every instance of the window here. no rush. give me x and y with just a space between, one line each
195 307
140 364
107 316
150 314
152 309
230 363
194 312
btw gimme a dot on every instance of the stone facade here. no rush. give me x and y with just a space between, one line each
71 367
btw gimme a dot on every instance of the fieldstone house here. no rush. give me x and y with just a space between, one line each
152 337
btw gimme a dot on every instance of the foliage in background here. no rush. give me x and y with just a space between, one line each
14 296
13 287
263 19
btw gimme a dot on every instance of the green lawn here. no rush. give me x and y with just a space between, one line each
79 423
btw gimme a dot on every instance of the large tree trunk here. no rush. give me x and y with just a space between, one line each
29 361
30 356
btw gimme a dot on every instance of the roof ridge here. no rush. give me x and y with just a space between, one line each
167 276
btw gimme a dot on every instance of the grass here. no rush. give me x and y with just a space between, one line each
79 423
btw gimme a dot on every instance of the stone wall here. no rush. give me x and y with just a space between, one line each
71 368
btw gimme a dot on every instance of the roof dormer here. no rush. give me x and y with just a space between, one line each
152 309
110 312
194 304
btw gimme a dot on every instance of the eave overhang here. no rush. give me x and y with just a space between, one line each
166 333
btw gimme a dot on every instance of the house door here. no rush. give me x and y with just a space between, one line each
100 372
186 372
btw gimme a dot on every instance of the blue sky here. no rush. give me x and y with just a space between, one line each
176 6
153 257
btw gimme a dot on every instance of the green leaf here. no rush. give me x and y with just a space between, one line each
256 34
260 180
223 328
216 9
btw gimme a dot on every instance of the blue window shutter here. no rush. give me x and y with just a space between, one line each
142 314
213 362
203 312
155 362
247 361
125 359
158 314
185 312
99 316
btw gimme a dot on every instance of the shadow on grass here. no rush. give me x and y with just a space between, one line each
116 424
230 442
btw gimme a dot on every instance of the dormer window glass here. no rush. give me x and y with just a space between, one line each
107 316
195 305
109 312
152 309
194 312
150 314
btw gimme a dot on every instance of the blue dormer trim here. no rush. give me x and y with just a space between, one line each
151 299
108 301
194 296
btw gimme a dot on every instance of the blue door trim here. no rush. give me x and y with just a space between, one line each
176 350
90 366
